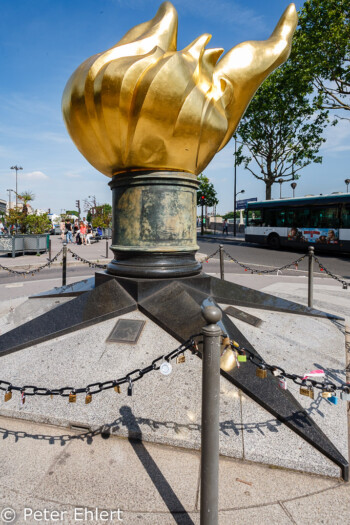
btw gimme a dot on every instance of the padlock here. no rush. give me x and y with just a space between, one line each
282 383
275 372
261 372
326 394
307 391
23 397
228 359
333 399
130 387
88 397
117 389
241 356
180 359
72 397
8 395
345 394
225 341
234 343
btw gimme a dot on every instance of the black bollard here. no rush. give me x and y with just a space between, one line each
209 507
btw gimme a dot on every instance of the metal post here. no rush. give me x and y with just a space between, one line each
209 507
64 264
106 248
310 298
50 249
221 248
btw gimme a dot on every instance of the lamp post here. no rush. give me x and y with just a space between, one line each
17 168
234 214
281 181
294 185
347 182
9 198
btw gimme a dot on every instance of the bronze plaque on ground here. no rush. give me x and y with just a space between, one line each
126 331
243 316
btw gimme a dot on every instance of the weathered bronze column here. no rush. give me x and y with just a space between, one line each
154 224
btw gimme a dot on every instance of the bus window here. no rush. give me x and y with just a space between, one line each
326 217
254 218
302 217
345 217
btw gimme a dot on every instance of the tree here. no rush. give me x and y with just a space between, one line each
322 50
26 197
281 129
29 222
206 190
102 216
206 195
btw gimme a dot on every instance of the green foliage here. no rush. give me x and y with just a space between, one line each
207 190
102 216
281 129
230 215
72 212
26 196
322 50
29 222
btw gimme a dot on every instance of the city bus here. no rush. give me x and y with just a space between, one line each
322 221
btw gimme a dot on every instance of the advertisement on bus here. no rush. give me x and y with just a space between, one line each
314 235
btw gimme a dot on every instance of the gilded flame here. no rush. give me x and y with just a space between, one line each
144 105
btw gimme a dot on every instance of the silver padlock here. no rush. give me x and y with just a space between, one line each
345 394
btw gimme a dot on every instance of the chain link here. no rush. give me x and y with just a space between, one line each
330 274
297 379
85 261
95 388
253 270
34 270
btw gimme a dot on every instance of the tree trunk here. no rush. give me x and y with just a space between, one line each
268 190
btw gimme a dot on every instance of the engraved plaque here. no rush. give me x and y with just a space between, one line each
126 331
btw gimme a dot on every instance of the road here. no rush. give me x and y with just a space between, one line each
260 257
253 256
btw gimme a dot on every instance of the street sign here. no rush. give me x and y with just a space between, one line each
242 204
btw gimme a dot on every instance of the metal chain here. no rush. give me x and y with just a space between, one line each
34 270
95 388
324 269
253 270
85 261
328 386
206 259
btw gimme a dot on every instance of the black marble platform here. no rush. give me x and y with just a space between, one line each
175 305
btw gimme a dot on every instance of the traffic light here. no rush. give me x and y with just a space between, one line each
77 204
202 199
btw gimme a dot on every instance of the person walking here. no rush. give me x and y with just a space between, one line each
69 231
225 227
63 229
83 232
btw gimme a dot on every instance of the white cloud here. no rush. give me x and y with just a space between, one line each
34 175
338 137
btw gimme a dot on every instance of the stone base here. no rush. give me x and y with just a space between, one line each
154 265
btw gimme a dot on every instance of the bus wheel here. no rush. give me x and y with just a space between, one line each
273 241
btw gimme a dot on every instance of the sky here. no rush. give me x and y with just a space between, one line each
43 41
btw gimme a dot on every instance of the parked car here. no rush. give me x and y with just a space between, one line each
55 230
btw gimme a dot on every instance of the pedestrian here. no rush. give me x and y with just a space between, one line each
69 231
225 227
83 232
88 234
75 231
63 229
2 228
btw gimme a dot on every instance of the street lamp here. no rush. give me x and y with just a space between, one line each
294 185
234 212
17 168
9 198
347 182
281 181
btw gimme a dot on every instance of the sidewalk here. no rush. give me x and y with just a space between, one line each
72 472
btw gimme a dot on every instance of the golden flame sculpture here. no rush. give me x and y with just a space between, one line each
144 105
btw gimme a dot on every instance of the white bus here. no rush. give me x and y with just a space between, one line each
322 221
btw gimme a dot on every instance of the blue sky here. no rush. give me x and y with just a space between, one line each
43 41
